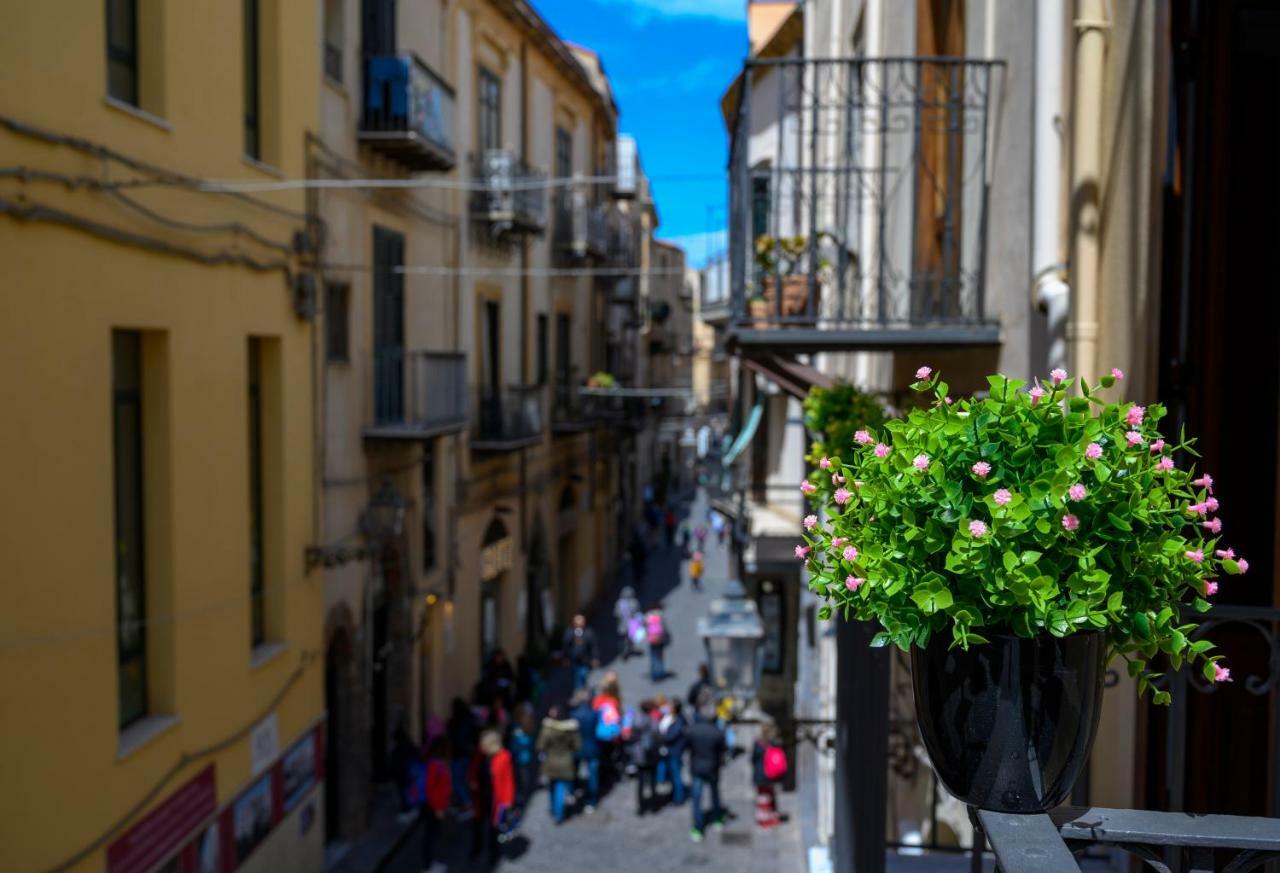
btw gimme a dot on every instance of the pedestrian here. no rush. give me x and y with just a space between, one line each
404 757
695 571
706 743
625 611
439 792
494 791
646 751
580 648
685 536
607 705
522 743
701 684
589 747
700 537
717 525
673 728
461 731
499 679
658 637
768 768
558 743
669 522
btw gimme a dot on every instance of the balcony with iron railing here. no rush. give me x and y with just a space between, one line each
581 227
510 197
417 395
408 113
572 411
506 419
867 228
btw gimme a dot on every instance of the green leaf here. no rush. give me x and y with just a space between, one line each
1142 625
1232 567
881 639
1119 523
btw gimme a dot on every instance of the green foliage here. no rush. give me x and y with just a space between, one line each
833 414
1123 563
602 379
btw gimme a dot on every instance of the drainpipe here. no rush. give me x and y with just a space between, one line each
525 291
1049 290
1086 183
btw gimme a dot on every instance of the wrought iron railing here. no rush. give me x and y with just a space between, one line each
582 228
858 192
418 392
408 112
510 196
507 417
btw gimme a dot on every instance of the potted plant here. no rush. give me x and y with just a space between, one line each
784 257
1014 544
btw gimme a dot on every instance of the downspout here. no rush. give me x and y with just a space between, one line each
1049 290
525 291
1086 184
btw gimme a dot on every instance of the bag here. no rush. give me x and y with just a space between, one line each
439 785
506 822
655 630
775 763
415 789
608 723
636 630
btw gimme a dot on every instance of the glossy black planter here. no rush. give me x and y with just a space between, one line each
1008 725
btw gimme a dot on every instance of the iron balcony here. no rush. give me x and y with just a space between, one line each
408 113
865 228
582 230
506 419
572 411
417 395
510 197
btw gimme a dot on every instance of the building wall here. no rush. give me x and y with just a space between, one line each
67 289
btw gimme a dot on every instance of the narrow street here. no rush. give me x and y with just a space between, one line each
614 836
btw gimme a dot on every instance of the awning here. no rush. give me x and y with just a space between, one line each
788 374
743 439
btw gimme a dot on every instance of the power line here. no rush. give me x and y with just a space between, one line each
552 272
241 186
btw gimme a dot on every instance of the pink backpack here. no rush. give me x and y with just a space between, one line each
655 629
775 763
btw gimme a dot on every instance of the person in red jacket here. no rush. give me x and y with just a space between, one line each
494 790
439 792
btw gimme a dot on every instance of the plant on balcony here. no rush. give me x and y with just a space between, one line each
602 380
1013 544
785 258
834 414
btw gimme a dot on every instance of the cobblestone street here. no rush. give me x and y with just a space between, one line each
614 837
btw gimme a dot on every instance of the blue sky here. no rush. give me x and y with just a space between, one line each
669 62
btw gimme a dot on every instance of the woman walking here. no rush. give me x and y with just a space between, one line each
559 743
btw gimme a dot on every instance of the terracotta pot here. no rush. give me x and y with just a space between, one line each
795 298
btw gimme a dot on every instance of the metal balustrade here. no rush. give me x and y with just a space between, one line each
510 197
408 113
418 394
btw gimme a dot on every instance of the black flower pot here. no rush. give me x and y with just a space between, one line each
1008 725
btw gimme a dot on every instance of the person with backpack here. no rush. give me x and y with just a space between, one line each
558 743
521 741
580 648
461 731
768 768
607 705
658 638
646 751
626 610
494 793
588 747
701 684
439 794
672 728
409 773
707 747
695 571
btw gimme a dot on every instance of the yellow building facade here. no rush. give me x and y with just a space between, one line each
160 636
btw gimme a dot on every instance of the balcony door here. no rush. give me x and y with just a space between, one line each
388 326
378 27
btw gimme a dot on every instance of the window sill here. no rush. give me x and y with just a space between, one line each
142 732
266 653
337 86
139 114
261 167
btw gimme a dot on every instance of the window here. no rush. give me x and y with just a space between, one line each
563 350
490 359
337 301
252 126
257 568
428 507
490 109
122 50
334 31
388 325
131 581
378 27
760 203
542 349
564 153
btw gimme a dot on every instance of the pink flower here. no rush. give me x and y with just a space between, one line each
825 463
921 462
1134 438
1135 415
1197 509
977 529
852 582
981 469
923 373
1077 491
948 399
1210 588
1165 464
810 522
882 450
1036 393
1220 673
850 553
807 487
1195 557
1070 522
1093 451
1057 375
802 552
862 437
1205 482
842 496
1243 565
1211 504
1118 374
1213 525
1157 446
837 479
1229 554
1002 497
837 542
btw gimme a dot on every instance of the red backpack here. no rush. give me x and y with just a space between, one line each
775 763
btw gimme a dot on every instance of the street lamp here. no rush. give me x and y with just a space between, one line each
732 632
384 519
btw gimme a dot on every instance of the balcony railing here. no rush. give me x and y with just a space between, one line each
508 418
510 196
408 113
417 395
572 411
858 196
581 227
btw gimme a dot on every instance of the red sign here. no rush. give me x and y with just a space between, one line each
155 837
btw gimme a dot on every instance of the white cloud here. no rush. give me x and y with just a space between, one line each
699 246
734 11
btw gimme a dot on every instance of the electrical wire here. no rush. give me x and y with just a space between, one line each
230 186
553 272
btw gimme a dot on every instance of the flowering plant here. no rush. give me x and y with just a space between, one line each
1024 512
833 414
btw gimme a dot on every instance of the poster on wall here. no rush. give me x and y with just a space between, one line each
252 818
299 767
163 829
208 850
